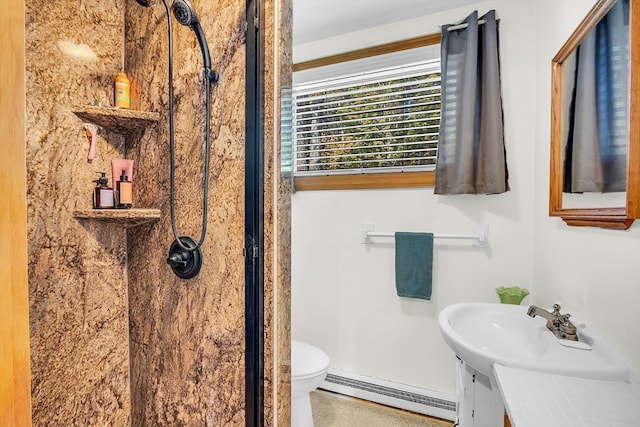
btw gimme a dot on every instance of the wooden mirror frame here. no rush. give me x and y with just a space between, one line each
619 218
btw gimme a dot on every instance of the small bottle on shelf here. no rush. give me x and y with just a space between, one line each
122 91
124 189
103 194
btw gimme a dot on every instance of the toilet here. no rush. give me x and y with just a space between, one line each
309 366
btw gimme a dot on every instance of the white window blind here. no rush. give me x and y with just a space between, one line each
379 121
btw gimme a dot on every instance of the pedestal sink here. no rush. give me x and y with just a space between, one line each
484 334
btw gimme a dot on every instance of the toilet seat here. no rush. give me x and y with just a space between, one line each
307 360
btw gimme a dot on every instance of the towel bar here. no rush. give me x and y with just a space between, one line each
479 235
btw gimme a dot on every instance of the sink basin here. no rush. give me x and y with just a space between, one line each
483 334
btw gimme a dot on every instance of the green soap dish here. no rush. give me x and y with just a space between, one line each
512 295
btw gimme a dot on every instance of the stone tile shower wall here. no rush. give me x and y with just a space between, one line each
187 336
77 270
116 338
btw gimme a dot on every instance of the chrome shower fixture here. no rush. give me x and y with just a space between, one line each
186 15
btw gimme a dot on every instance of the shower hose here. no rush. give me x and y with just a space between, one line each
207 149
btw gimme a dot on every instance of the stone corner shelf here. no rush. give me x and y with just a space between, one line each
125 218
122 121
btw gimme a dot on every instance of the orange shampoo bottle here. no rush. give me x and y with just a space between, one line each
122 91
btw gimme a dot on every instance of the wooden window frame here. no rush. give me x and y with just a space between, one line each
367 180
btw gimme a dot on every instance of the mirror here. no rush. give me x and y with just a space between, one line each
595 120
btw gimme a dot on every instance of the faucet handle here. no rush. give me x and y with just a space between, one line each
556 310
566 321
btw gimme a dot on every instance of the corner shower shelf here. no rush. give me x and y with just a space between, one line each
123 217
122 121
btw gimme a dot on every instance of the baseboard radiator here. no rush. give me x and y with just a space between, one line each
396 395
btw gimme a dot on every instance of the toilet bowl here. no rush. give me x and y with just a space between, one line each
309 366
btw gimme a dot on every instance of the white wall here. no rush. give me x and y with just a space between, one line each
343 292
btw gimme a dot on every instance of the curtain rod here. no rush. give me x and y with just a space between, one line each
464 25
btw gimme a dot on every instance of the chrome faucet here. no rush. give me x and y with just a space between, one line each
557 323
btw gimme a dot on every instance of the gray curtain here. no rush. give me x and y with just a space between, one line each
471 151
595 152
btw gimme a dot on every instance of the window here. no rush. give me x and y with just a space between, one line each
368 124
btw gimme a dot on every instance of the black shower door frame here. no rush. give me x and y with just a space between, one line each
254 218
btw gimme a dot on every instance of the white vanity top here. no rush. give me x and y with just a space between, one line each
535 399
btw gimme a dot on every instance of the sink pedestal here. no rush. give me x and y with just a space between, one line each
479 400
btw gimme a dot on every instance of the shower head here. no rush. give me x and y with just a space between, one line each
186 15
145 3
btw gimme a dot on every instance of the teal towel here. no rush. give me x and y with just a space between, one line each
414 262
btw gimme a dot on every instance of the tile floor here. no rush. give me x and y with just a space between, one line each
335 410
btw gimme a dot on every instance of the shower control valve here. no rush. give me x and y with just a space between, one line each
185 258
